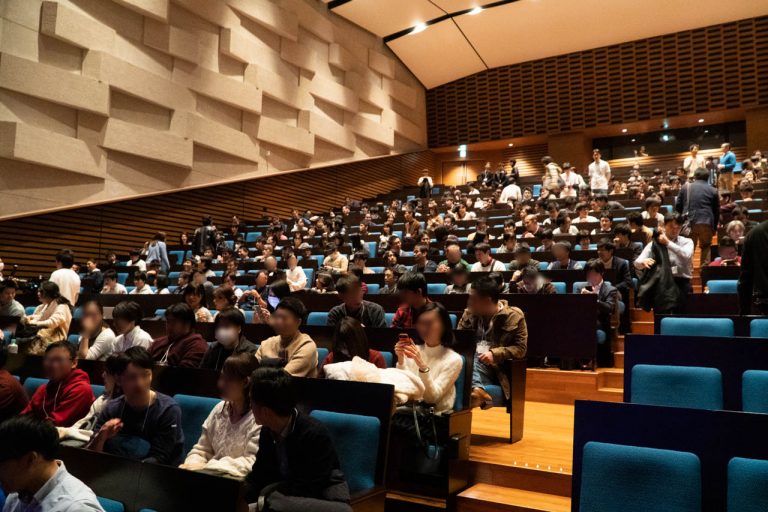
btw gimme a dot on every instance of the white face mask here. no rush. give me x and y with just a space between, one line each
227 336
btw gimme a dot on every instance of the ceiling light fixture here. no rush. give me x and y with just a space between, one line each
701 120
421 27
476 10
623 130
510 144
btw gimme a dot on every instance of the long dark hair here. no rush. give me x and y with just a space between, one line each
349 340
447 339
50 290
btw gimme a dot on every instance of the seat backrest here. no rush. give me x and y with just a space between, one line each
373 289
29 310
97 389
194 411
681 326
458 403
122 277
77 312
389 359
543 265
388 317
677 386
722 285
110 505
317 318
754 391
32 383
436 288
454 319
559 287
248 316
758 328
377 270
634 479
322 353
578 286
356 439
372 249
74 339
310 273
747 485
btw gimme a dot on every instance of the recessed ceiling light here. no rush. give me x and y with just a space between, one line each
701 120
421 27
476 10
634 140
510 144
623 130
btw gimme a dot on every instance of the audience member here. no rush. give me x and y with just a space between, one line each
350 341
728 254
485 260
699 204
725 169
753 280
350 292
181 346
111 285
126 320
530 281
412 289
50 320
12 397
607 305
141 286
9 306
291 349
229 333
158 252
459 278
65 278
561 251
422 262
390 282
194 297
96 338
453 257
599 174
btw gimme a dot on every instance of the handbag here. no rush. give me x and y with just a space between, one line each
685 230
424 452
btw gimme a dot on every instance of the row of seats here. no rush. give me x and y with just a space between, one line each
710 327
695 387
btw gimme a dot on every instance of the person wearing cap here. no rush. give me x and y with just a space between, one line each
522 259
572 181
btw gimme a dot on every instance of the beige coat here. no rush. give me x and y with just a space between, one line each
300 355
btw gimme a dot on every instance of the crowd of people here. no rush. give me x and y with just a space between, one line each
256 432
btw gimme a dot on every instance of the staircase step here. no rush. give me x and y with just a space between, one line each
642 327
492 498
639 315
611 378
618 359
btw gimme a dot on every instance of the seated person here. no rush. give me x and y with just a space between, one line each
13 399
530 281
607 303
126 317
421 257
390 282
324 283
181 346
30 474
224 297
140 281
508 244
485 260
294 275
82 430
141 424
453 257
523 258
297 468
606 225
194 296
583 216
432 360
585 241
350 292
547 238
229 332
9 306
50 321
111 285
229 441
637 225
96 338
564 225
623 240
459 277
562 254
412 289
501 334
67 395
350 341
293 350
728 254
652 207
334 261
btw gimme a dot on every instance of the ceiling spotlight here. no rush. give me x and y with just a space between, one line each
510 144
665 138
634 140
421 27
475 10
623 130
701 120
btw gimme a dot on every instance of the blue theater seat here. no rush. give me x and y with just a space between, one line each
110 505
248 316
317 318
77 313
322 353
74 339
559 287
747 485
389 359
97 389
677 386
388 317
373 289
29 310
173 276
356 439
377 270
722 285
310 273
194 411
160 312
458 402
754 391
32 383
436 288
758 328
122 277
175 257
680 326
543 265
454 319
578 286
635 479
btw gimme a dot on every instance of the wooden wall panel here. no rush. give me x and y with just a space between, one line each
32 242
692 72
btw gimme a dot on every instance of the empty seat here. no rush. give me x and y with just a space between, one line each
194 411
559 287
681 326
251 237
160 312
377 270
122 277
371 249
373 289
634 479
356 439
722 285
110 505
754 391
77 312
32 383
174 276
747 485
318 318
758 328
677 386
436 288
543 265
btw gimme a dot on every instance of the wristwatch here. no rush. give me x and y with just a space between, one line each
424 370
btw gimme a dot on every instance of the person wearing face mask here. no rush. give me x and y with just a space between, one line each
228 327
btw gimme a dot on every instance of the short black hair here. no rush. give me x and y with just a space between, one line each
295 306
69 347
110 274
487 287
274 389
673 217
635 218
360 255
483 247
20 435
181 311
129 311
622 229
231 316
137 356
66 257
347 283
595 265
546 234
8 283
723 241
607 215
607 244
140 275
413 282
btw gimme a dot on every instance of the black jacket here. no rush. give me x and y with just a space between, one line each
623 281
607 302
204 236
312 465
657 289
753 280
703 203
216 354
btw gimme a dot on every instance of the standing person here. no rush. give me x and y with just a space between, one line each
158 251
572 181
67 395
551 179
699 202
725 169
350 292
753 281
205 236
296 467
599 174
425 185
290 348
511 194
32 476
65 278
181 346
500 333
141 424
693 162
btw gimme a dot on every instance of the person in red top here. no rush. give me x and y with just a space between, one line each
181 346
12 397
412 287
349 341
67 396
728 255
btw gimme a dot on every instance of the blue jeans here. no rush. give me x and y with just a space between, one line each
483 375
